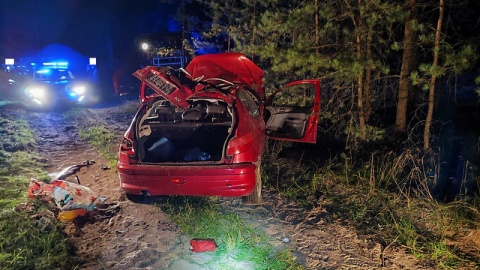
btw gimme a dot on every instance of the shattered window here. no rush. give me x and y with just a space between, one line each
250 102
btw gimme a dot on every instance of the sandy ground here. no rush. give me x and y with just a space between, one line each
125 235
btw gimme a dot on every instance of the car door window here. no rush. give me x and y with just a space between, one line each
291 113
250 102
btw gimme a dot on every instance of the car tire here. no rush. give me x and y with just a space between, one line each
256 196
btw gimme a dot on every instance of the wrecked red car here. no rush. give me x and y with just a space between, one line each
201 130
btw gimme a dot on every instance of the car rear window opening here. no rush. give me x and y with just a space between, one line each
199 133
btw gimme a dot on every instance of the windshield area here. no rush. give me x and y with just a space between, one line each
47 75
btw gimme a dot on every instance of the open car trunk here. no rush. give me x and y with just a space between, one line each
167 134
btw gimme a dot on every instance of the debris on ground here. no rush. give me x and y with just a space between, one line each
71 170
71 199
202 245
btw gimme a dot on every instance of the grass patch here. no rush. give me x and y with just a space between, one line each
12 190
239 245
16 135
386 196
130 108
25 243
27 163
103 140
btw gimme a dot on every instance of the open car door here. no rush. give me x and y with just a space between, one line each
292 112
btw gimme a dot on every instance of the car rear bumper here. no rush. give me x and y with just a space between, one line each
219 180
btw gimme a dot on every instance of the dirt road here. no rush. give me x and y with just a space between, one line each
126 235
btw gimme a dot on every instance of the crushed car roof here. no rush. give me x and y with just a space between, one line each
233 67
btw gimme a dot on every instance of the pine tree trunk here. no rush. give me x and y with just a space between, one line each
431 91
404 85
317 31
361 113
360 98
368 79
254 27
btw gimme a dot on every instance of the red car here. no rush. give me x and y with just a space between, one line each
201 130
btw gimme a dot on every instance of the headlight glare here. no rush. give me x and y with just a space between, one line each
36 92
79 89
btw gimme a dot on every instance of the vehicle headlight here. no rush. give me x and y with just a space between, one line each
79 89
36 92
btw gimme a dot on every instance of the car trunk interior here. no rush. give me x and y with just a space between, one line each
168 134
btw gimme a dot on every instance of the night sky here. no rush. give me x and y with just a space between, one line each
106 29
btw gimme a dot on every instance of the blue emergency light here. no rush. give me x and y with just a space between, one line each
56 64
43 71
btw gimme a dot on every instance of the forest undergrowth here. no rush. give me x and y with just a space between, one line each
386 194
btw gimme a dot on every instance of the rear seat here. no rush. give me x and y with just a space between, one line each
165 113
216 112
193 114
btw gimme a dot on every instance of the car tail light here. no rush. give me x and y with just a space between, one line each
127 151
126 145
177 180
240 144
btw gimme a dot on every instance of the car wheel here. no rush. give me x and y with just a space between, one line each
256 196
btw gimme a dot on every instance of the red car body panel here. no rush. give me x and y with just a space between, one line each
165 84
234 67
235 173
249 125
194 180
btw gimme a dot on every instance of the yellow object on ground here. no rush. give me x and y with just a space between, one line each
71 214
